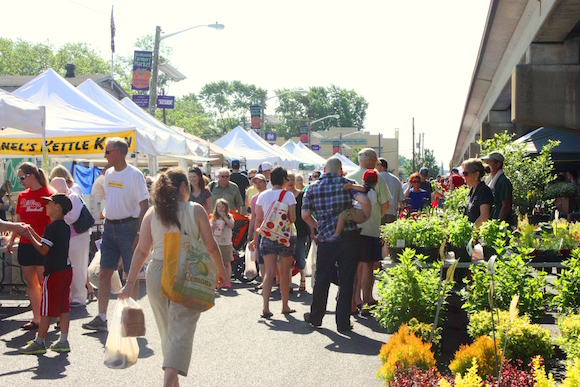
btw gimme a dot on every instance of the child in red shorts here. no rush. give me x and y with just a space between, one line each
53 246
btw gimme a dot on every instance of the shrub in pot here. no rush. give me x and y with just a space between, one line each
460 233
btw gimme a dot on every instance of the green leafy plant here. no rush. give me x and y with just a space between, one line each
567 299
482 349
455 201
404 349
408 290
429 232
513 276
460 231
524 339
561 190
569 339
402 229
529 175
423 330
493 232
572 373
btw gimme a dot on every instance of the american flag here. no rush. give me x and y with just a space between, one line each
113 29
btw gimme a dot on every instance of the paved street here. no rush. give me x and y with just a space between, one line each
233 346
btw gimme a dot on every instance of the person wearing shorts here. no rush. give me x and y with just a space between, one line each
271 249
53 246
127 202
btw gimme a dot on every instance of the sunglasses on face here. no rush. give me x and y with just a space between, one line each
109 151
23 177
224 177
416 181
465 173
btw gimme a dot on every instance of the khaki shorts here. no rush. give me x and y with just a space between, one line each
227 253
357 215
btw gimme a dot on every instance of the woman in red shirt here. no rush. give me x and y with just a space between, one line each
31 209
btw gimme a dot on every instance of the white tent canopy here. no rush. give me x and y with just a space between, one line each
304 154
288 160
192 147
347 165
19 113
239 141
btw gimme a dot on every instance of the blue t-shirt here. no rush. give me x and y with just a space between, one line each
417 199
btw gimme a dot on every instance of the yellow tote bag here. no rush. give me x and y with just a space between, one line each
189 274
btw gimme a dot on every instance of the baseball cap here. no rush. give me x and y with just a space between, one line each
235 163
454 170
62 200
497 156
265 166
424 172
259 176
370 175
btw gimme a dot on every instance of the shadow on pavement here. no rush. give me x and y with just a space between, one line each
352 342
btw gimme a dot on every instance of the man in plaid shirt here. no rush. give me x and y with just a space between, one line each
326 199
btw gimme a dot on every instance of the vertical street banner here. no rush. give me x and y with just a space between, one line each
335 147
141 100
255 111
113 30
142 61
303 134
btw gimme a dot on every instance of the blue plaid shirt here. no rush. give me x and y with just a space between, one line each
326 199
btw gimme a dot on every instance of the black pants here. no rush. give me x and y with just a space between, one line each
344 252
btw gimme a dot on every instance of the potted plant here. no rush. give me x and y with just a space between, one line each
429 236
397 236
564 195
460 233
491 233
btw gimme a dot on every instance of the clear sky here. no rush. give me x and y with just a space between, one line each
411 58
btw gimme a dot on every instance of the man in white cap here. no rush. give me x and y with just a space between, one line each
264 169
501 187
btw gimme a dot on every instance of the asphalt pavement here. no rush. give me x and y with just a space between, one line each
233 346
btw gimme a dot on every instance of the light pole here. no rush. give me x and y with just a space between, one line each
158 39
315 121
263 120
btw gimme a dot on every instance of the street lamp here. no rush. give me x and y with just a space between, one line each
158 39
315 121
263 120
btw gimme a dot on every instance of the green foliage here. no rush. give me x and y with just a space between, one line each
404 349
540 378
25 58
524 339
563 190
529 175
572 373
493 232
429 232
483 351
354 154
569 339
402 229
408 290
460 231
455 201
189 115
513 276
567 286
428 161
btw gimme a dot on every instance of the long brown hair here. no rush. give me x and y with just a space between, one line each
166 195
201 181
29 168
215 216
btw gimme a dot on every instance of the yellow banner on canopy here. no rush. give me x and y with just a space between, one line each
93 144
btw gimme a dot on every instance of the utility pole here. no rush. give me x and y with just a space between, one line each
413 148
423 146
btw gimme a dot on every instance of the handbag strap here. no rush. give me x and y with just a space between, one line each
282 195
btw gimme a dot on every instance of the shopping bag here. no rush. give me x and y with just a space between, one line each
276 225
120 352
95 269
250 263
310 260
189 275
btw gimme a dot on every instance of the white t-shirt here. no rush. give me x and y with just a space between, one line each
270 196
124 191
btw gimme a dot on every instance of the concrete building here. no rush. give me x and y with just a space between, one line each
349 138
527 73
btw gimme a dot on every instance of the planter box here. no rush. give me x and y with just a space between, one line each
550 255
564 205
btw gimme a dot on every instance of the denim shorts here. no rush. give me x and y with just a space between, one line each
301 251
118 243
268 247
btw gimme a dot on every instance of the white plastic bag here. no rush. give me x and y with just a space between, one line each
95 269
250 262
120 352
311 260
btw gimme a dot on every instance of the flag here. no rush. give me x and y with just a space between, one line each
113 29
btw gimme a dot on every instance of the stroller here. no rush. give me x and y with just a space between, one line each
239 241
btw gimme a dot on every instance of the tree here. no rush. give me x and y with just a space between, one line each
354 154
26 58
189 115
295 109
229 103
429 161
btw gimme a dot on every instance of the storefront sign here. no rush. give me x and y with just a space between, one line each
64 145
141 100
345 140
141 70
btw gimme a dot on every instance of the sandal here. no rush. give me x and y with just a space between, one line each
91 297
302 285
289 311
267 314
29 326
